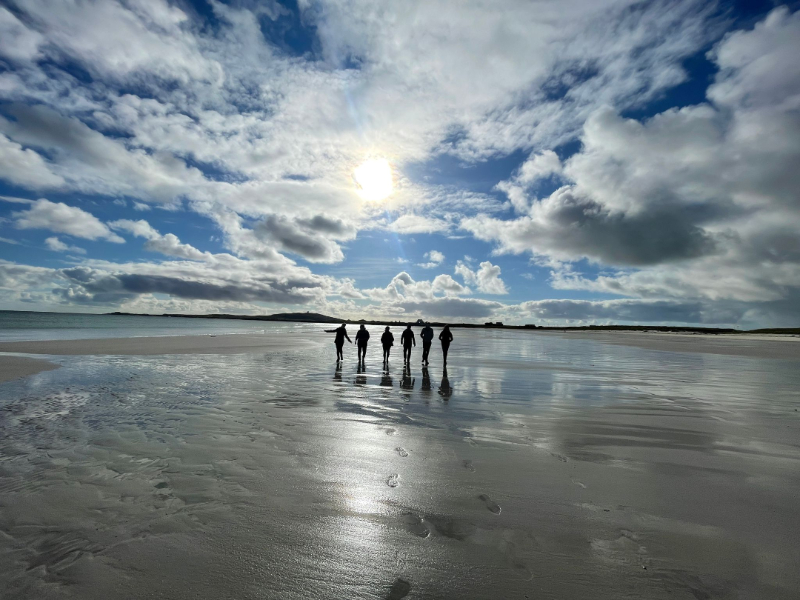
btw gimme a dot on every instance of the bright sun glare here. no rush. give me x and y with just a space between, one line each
374 179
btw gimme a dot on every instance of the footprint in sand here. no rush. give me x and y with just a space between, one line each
579 484
401 451
391 431
468 465
399 589
490 504
393 481
416 525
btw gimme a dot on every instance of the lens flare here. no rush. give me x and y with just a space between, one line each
374 179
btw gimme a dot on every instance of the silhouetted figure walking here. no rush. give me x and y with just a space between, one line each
446 337
408 340
445 391
341 334
362 337
427 338
387 339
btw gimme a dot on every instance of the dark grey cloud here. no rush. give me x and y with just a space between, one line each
306 238
101 287
571 226
336 228
634 311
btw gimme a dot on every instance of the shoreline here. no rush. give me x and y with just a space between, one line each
765 346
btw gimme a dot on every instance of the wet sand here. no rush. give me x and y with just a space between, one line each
753 345
14 367
150 346
536 465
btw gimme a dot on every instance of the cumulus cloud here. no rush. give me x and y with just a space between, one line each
698 202
704 197
56 245
61 218
486 278
434 259
309 238
167 244
535 168
24 167
439 298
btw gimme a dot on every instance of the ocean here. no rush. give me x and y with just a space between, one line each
18 326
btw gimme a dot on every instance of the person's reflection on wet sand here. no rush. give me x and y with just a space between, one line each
386 379
426 381
407 382
337 375
445 391
361 379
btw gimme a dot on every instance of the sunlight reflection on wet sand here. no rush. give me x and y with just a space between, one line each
539 465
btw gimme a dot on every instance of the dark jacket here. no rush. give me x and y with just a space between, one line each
426 334
387 339
446 336
408 339
341 333
362 335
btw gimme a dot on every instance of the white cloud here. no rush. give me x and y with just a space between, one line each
56 245
410 224
486 278
536 167
17 42
61 218
703 199
167 244
434 257
24 167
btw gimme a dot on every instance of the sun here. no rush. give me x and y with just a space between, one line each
374 179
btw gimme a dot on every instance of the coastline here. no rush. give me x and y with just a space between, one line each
769 346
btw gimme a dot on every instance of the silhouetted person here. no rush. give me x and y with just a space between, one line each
387 339
445 391
408 340
362 336
427 338
446 337
341 334
407 382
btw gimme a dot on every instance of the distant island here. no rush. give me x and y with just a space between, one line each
310 317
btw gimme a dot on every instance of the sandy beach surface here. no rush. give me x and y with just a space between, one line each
14 367
534 466
144 346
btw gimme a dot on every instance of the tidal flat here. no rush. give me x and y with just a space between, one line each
535 466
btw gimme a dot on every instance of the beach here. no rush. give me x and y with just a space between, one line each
536 465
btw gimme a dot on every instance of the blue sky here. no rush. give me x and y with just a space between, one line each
586 161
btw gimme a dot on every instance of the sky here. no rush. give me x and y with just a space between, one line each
571 162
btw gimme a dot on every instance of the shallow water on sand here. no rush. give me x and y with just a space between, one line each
534 466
